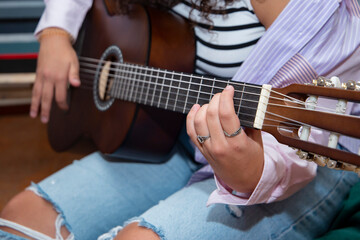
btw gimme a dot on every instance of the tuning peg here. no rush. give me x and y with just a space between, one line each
332 164
325 161
322 81
351 85
303 155
320 160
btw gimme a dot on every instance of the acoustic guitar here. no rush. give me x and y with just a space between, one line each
136 89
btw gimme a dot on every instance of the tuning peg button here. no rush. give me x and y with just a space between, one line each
331 164
320 160
302 155
351 85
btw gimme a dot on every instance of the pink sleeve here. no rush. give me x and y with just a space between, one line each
283 174
66 14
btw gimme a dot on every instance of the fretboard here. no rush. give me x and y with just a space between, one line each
176 91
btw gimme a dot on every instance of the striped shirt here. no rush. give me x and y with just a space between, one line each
309 38
222 50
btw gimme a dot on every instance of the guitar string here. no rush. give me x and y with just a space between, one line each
158 70
154 90
138 99
131 83
191 90
118 64
287 98
296 124
166 72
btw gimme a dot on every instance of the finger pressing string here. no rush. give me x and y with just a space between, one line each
229 120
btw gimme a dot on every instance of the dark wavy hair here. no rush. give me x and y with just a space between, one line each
204 6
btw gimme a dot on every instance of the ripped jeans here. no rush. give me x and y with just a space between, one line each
96 198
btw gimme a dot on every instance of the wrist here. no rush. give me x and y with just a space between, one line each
53 31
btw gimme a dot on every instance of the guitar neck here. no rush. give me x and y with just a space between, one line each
176 91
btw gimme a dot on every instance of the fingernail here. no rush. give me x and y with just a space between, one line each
194 107
44 119
33 114
229 87
75 81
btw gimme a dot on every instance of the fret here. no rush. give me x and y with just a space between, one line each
154 89
132 83
126 86
173 90
124 82
178 84
198 95
161 82
248 104
219 85
138 82
147 77
193 94
212 89
181 99
205 90
238 96
142 82
169 79
188 79
132 95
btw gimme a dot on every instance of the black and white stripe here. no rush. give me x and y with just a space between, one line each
221 50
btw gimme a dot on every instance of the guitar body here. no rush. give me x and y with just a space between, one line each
144 36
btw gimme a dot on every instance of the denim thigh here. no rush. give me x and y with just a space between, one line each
304 215
94 195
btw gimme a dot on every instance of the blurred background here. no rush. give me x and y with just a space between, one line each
18 49
25 154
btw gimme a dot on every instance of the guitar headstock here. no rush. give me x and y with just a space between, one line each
295 111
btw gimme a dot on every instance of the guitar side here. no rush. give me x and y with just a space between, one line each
147 37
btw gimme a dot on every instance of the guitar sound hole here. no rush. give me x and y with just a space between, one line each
104 77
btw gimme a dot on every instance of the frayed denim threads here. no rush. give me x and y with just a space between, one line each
31 233
35 188
59 222
142 223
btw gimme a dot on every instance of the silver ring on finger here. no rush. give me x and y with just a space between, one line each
237 132
202 139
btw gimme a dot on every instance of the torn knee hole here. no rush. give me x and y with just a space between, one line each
32 213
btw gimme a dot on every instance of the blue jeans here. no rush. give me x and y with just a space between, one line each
93 196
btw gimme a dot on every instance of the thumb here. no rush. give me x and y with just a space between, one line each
74 78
